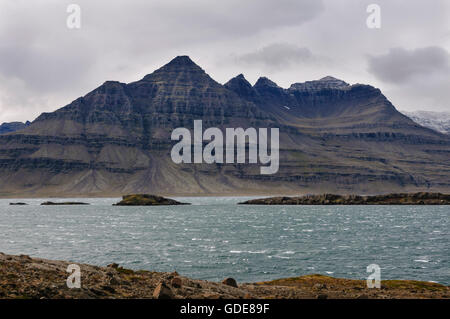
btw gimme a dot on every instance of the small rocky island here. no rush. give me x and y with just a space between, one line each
63 203
422 198
147 200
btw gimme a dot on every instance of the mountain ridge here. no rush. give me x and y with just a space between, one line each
9 127
115 140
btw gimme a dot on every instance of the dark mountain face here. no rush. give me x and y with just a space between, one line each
329 101
12 127
172 96
334 137
241 87
327 82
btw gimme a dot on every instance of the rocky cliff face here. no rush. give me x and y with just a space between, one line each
334 137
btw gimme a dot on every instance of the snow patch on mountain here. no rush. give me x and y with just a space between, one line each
438 121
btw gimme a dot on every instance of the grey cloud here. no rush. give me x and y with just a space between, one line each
236 17
277 56
121 37
42 69
159 24
417 78
401 65
37 49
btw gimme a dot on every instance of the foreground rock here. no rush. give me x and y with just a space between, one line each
230 282
332 199
64 203
25 277
163 291
146 200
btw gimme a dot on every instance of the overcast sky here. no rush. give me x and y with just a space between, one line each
44 65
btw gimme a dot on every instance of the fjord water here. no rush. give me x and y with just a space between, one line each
214 238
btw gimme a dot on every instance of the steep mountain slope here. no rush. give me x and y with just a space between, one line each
116 139
438 121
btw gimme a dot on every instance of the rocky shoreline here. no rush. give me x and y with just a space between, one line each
422 198
23 277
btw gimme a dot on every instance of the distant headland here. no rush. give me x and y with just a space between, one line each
333 199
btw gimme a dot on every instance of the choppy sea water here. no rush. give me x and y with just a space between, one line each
214 238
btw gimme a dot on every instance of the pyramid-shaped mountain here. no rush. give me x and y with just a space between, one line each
334 137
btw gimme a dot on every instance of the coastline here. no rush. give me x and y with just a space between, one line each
237 193
23 277
422 198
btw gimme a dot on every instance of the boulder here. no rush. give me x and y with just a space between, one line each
162 291
230 282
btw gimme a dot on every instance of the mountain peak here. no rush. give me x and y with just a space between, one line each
179 64
238 79
240 85
330 78
327 82
181 60
181 68
264 82
334 82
